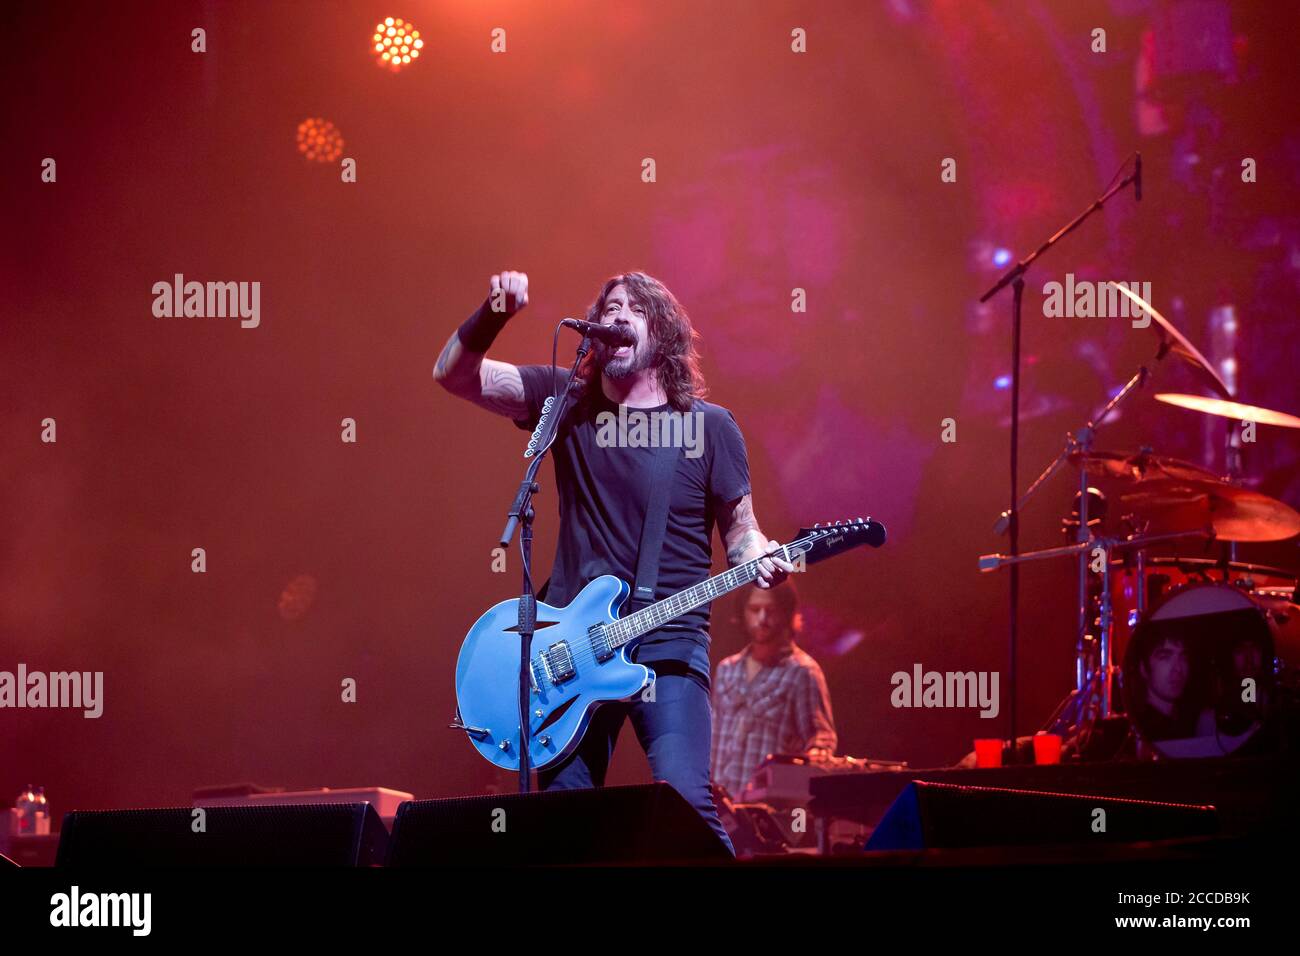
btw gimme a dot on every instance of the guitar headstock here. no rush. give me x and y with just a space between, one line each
827 540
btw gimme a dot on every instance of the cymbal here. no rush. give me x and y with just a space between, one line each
1225 409
1176 342
1140 467
1235 513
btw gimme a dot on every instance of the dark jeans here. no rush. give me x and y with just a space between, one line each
675 731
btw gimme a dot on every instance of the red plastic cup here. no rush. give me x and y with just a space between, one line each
1047 748
988 752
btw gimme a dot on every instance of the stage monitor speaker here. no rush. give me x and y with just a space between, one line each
339 834
641 824
944 815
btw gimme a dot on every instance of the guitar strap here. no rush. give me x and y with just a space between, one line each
656 525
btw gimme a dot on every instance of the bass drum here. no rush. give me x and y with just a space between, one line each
1166 576
1212 660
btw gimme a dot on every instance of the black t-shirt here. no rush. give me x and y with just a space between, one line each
603 495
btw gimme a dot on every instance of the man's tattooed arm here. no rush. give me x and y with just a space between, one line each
745 541
740 531
496 386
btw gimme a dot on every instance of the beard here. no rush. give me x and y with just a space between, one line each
622 366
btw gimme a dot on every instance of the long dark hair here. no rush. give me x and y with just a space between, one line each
672 338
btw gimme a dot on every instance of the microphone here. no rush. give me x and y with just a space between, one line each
1137 178
609 334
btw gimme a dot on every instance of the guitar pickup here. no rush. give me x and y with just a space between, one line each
600 643
559 662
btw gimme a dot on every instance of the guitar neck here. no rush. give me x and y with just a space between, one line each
661 612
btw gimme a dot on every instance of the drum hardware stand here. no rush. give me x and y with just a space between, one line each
1085 643
1233 468
1076 443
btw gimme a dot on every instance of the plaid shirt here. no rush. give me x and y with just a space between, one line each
785 709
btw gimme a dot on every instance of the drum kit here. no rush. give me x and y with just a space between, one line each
1175 655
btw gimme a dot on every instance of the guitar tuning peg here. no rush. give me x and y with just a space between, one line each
817 524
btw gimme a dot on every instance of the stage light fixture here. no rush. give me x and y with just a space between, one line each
319 140
396 43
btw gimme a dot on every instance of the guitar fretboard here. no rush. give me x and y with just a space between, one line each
661 612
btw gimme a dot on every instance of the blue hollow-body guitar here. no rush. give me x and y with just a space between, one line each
581 654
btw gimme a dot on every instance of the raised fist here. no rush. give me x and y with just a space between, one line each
508 292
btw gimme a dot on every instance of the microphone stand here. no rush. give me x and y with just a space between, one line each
521 516
1015 277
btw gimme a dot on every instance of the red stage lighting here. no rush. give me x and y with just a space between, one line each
319 140
396 43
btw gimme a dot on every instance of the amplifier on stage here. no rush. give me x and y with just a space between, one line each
384 800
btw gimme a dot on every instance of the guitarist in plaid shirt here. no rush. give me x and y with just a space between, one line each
770 698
